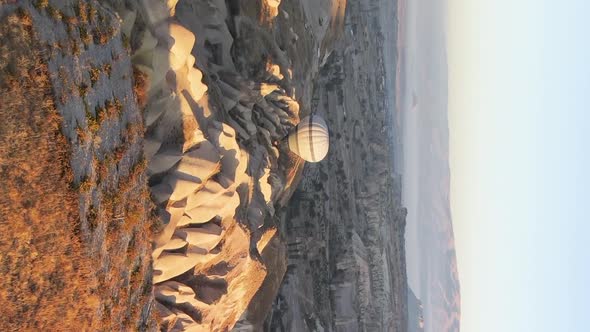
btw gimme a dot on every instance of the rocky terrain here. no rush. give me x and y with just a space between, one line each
345 224
227 84
181 108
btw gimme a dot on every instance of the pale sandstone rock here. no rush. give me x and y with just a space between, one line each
273 3
171 4
127 21
169 287
170 127
177 320
192 327
211 191
177 61
201 161
270 127
265 239
164 161
156 108
224 206
184 221
182 185
271 113
190 61
169 265
224 139
161 64
174 243
155 11
143 55
256 213
193 170
151 147
197 88
165 314
206 236
243 278
161 192
193 139
274 70
172 293
265 186
175 213
201 186
267 88
185 323
177 39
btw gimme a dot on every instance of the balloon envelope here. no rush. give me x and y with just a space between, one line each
310 139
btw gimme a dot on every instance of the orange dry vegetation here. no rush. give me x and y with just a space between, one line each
67 265
45 275
140 87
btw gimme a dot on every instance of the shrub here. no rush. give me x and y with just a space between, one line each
140 87
41 4
107 69
47 273
83 90
85 36
94 75
82 134
82 11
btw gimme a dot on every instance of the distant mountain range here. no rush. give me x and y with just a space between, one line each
438 277
415 313
431 261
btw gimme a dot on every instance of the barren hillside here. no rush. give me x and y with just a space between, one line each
75 206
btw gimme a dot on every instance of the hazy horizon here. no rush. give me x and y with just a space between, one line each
515 163
431 262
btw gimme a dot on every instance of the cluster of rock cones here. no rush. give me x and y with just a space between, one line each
212 152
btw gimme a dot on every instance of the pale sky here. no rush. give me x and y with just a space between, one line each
519 90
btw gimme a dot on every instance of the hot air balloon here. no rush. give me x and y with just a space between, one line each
310 139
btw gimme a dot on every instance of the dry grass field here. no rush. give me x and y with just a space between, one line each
75 217
46 279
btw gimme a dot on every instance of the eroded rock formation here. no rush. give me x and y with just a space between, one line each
213 150
229 80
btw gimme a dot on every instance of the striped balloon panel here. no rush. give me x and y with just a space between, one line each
310 139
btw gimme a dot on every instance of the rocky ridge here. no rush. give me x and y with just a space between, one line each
221 98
